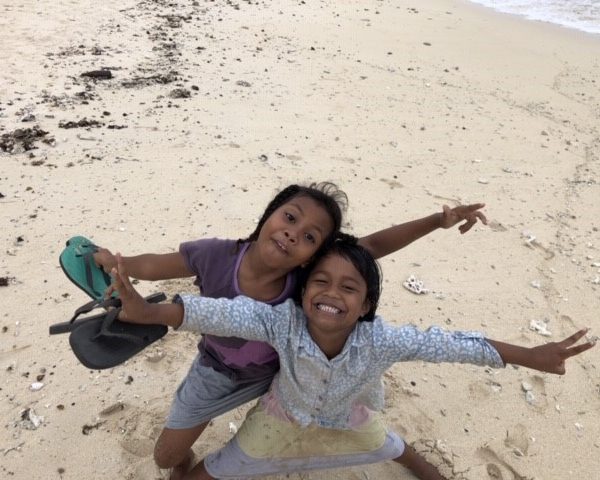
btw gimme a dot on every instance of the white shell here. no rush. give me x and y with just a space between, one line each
415 285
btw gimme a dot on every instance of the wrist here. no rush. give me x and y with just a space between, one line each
151 313
167 314
439 219
513 354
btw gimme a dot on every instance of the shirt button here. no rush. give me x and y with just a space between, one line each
325 381
320 397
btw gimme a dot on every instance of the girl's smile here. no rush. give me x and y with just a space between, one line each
334 298
328 309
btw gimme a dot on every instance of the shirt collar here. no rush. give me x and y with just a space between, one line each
356 339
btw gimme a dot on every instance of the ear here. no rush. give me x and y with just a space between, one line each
366 306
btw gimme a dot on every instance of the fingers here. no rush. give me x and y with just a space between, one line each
109 291
121 280
101 259
465 227
446 211
574 338
481 217
475 206
470 213
466 211
578 349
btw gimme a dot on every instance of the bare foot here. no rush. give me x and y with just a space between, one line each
417 464
179 471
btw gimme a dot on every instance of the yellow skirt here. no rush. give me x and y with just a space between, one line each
265 436
267 444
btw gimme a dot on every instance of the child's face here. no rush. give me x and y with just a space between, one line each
293 233
335 296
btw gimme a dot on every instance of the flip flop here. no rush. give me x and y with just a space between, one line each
77 262
102 341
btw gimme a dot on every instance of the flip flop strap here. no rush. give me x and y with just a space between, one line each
88 258
109 319
68 326
88 307
89 263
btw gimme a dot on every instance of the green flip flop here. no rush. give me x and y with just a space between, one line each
77 262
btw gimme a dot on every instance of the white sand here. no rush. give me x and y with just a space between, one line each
406 106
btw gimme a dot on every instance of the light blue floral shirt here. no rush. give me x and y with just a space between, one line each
313 388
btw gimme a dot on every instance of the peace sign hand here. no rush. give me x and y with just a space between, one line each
551 357
470 214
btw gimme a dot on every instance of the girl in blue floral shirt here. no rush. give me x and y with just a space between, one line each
323 407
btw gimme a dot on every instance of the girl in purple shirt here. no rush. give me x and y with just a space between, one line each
228 371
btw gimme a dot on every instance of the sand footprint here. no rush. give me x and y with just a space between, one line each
482 390
517 440
494 471
144 470
495 462
142 428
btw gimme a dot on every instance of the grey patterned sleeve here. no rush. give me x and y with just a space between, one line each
437 345
240 317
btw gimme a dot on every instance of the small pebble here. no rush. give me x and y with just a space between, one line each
530 398
232 428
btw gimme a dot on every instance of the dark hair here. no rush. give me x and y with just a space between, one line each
346 246
327 194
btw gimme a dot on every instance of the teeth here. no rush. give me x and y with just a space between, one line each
328 308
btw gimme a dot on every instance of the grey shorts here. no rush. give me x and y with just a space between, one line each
205 394
230 462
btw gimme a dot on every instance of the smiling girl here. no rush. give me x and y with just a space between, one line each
230 371
323 407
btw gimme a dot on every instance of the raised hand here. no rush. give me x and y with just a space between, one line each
134 308
467 213
551 357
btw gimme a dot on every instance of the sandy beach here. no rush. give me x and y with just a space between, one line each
211 108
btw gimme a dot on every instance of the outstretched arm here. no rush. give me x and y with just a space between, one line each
550 357
148 266
387 241
135 309
241 317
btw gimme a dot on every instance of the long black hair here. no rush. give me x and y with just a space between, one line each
346 246
326 194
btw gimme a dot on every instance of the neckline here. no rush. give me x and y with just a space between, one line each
236 284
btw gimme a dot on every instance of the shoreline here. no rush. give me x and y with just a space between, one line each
538 20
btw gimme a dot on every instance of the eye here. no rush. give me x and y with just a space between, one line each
319 281
310 237
349 288
290 217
